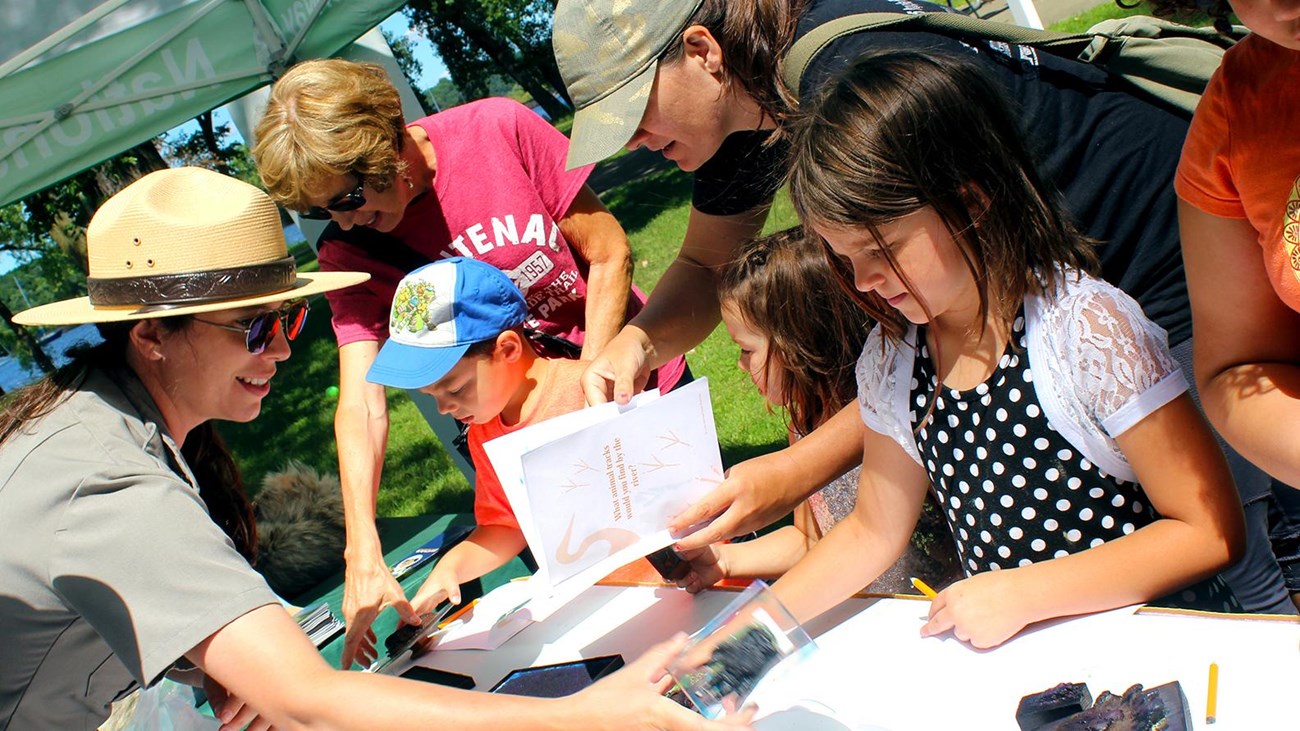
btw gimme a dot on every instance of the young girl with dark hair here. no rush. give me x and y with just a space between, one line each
801 361
700 82
1037 402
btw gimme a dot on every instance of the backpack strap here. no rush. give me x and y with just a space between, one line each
954 25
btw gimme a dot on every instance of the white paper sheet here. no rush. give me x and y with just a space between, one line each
874 670
604 495
596 488
505 453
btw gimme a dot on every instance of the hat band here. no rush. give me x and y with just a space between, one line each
187 288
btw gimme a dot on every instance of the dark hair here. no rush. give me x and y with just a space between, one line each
1190 11
782 285
486 347
754 36
481 349
214 468
222 487
901 131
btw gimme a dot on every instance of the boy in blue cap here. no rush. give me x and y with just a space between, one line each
456 332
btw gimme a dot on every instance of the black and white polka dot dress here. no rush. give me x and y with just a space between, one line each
1013 489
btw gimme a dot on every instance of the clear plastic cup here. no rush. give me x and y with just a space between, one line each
745 643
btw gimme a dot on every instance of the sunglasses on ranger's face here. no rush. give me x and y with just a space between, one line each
349 201
260 330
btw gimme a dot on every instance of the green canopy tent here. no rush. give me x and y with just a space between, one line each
83 80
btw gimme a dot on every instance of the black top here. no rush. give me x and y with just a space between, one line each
1111 154
1015 491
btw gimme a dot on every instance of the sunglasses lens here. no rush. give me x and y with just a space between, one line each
350 202
295 318
260 331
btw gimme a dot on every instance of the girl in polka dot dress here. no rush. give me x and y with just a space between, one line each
1037 402
801 360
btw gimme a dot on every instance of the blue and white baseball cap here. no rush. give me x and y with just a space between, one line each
439 311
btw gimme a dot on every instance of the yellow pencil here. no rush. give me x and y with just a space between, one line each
924 588
1212 697
459 613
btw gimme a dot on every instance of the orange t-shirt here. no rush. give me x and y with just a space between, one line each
1242 155
559 392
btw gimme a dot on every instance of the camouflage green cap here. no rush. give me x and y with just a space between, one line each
608 51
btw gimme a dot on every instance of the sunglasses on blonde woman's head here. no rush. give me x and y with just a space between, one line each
260 330
349 201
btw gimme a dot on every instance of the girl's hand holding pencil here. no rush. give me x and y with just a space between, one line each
924 588
985 610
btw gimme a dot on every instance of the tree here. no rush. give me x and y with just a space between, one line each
48 274
478 39
215 148
444 94
404 55
46 232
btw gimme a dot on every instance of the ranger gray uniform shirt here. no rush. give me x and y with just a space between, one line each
110 567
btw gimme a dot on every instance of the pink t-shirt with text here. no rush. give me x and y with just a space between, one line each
498 195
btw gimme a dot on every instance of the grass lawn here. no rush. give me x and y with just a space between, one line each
1085 20
297 418
1105 11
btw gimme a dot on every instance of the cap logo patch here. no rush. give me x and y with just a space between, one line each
412 308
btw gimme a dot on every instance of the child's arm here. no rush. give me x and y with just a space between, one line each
488 548
858 549
1186 478
764 557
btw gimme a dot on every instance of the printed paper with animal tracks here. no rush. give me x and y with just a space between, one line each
593 490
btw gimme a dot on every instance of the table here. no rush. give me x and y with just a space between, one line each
873 670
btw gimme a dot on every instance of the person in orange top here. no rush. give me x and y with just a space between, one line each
456 333
1239 216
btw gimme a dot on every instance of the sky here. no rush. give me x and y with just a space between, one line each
434 70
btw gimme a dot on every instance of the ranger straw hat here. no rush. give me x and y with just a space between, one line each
185 241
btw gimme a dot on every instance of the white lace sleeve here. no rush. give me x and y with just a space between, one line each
1122 367
884 380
